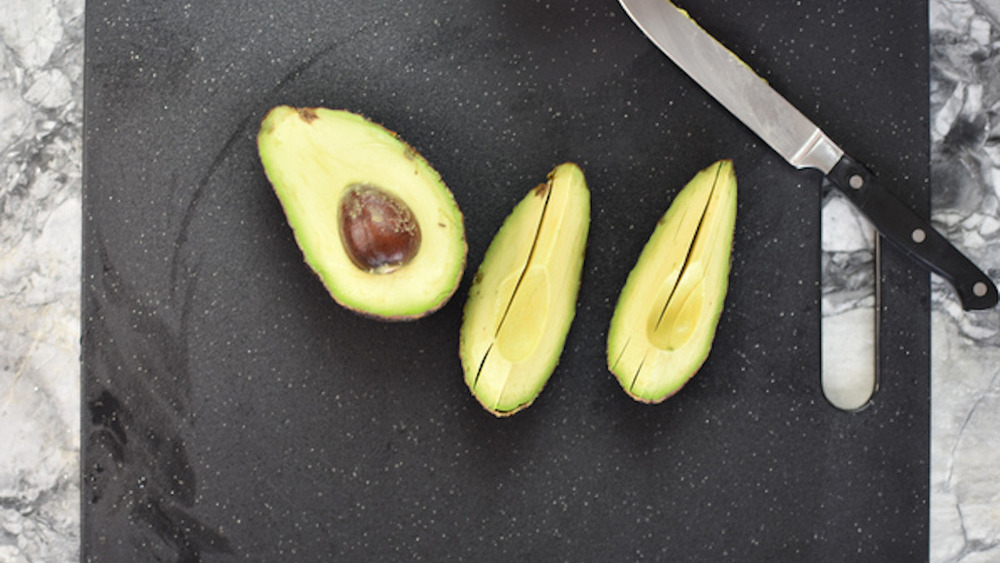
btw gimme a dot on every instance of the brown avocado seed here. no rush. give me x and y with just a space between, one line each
378 230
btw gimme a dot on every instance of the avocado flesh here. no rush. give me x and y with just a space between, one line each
523 298
667 313
312 156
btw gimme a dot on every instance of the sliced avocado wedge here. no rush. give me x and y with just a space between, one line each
523 298
372 218
667 313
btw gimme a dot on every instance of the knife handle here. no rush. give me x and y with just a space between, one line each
903 227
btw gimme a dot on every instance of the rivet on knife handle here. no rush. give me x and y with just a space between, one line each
902 226
730 81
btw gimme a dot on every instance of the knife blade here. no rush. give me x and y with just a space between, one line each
804 145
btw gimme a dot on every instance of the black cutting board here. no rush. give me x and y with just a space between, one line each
232 411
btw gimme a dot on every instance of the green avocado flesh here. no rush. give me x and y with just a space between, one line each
372 218
523 298
669 308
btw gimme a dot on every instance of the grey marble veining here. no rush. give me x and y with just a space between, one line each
849 367
41 61
41 67
965 105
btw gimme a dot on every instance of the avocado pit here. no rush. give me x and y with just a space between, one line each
379 231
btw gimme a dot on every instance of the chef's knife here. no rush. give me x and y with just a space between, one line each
804 145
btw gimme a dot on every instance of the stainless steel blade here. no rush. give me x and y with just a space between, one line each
734 85
850 295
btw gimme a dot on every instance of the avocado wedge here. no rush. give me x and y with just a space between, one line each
667 313
373 219
523 297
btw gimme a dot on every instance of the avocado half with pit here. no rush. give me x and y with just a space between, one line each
523 297
372 217
667 313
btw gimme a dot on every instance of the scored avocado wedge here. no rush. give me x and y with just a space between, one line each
373 219
667 313
523 297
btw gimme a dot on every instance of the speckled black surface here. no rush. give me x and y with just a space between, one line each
233 412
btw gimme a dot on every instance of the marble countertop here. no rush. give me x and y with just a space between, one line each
41 103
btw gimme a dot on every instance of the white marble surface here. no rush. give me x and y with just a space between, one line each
849 320
41 58
41 101
965 354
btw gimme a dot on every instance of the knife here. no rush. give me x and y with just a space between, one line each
800 142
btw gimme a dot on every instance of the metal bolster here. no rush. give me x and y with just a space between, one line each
818 152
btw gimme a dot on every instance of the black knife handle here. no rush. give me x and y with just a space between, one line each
903 227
